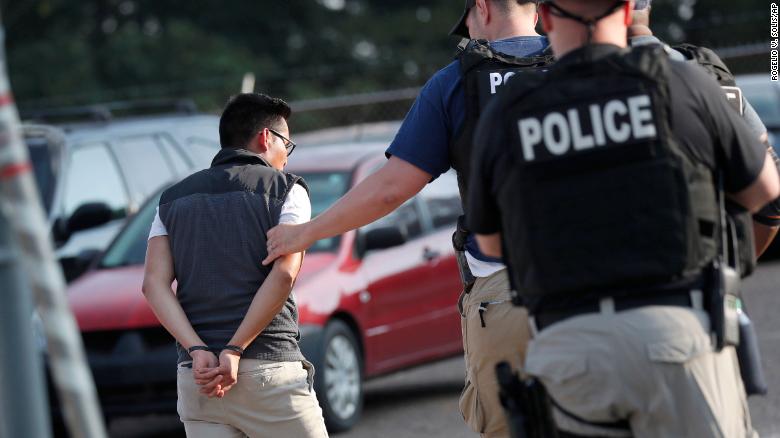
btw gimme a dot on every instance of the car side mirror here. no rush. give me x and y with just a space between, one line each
60 232
73 267
89 215
382 238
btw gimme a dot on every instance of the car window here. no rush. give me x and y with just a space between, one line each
146 169
766 101
406 216
442 199
44 162
180 162
325 188
202 151
93 176
129 248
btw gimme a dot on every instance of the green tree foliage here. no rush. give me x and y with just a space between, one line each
63 52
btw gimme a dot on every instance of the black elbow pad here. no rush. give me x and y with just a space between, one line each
770 214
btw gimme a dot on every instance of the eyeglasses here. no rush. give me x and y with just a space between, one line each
288 144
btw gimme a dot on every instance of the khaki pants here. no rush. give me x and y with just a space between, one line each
653 366
270 399
498 332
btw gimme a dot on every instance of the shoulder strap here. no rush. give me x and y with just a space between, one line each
475 52
711 62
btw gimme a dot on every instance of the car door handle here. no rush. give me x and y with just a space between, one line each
430 254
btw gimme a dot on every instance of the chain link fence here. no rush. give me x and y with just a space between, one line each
394 104
344 110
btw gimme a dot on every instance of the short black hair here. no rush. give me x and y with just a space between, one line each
246 114
506 5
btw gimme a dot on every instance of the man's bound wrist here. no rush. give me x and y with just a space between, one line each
233 349
198 348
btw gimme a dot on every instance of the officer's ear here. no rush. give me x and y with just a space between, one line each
544 11
628 11
483 11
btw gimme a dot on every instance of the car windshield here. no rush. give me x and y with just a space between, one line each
129 248
325 188
766 101
44 163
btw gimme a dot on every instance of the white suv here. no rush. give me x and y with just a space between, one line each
91 175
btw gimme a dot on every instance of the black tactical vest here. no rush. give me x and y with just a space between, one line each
600 199
741 221
485 73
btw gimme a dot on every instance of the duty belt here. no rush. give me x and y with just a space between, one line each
689 298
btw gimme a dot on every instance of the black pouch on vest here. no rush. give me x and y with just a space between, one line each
740 224
722 303
724 281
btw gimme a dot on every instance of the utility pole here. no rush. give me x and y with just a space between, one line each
28 266
23 407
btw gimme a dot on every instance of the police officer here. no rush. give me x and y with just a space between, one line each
434 137
766 222
603 199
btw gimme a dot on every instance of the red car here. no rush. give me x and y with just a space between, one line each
371 302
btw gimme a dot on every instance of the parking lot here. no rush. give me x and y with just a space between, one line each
424 401
124 117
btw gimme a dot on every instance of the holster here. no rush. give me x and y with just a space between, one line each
459 244
722 280
527 405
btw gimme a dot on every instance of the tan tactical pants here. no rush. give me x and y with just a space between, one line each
494 330
270 399
653 366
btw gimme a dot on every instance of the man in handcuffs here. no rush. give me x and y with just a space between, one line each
240 370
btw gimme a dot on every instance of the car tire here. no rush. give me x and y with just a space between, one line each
339 377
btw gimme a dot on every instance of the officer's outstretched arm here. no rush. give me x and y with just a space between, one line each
490 244
764 189
376 196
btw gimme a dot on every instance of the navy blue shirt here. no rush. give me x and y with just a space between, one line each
438 113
